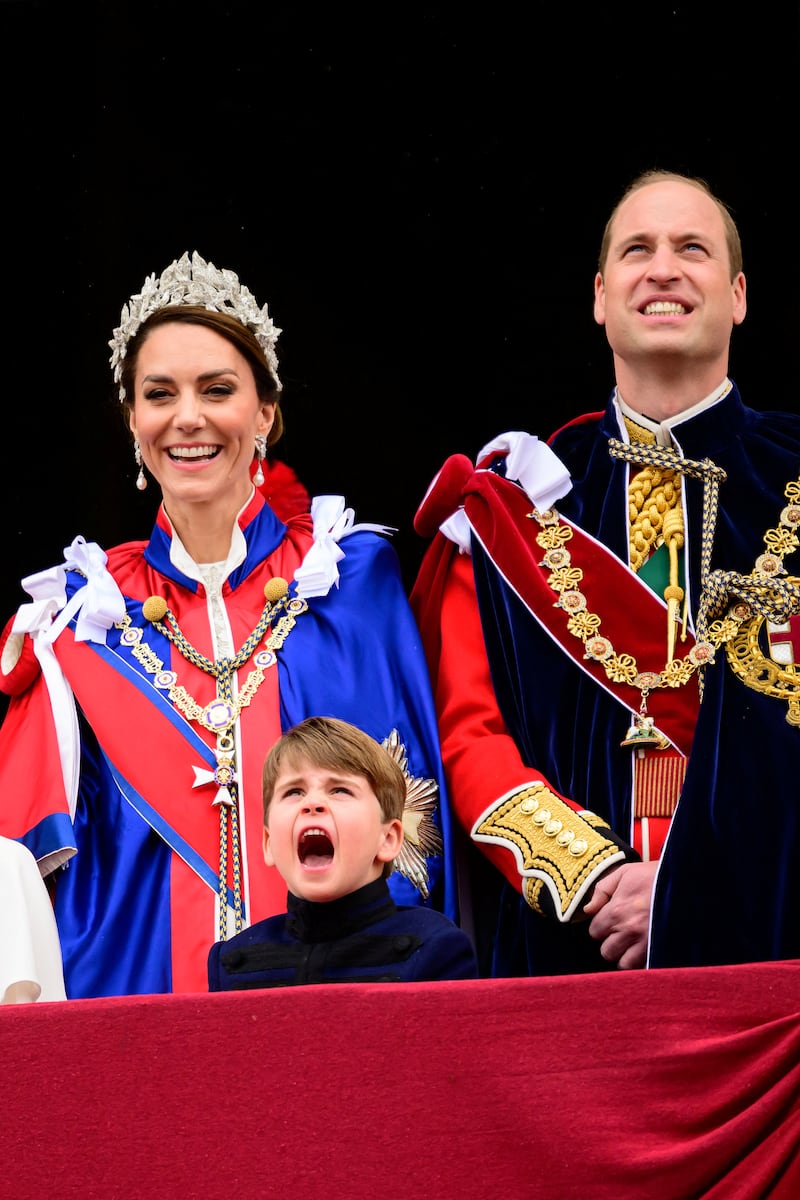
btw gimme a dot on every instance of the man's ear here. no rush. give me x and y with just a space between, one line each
391 841
267 848
599 299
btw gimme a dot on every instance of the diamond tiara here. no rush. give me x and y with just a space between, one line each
193 281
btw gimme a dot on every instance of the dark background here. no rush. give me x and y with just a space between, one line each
418 192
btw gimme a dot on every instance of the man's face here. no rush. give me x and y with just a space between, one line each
666 291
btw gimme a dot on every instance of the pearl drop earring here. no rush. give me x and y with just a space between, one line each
141 481
261 454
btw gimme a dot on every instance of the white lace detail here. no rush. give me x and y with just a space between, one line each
213 576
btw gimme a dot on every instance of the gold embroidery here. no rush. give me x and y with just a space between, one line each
767 592
620 668
532 892
766 609
552 838
759 670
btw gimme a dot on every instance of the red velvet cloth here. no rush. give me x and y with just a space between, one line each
660 1085
282 489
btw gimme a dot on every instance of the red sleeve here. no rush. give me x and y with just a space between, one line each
543 843
31 779
20 665
481 759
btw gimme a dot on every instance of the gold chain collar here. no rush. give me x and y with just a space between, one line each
220 716
762 591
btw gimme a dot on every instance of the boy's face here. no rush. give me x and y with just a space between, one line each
326 833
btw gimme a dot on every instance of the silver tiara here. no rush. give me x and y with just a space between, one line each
193 281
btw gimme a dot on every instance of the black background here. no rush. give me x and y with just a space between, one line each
418 192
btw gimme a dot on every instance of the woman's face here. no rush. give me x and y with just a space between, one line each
196 414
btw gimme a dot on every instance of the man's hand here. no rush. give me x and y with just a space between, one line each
620 913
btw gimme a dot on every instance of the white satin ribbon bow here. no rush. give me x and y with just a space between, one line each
99 603
318 572
532 464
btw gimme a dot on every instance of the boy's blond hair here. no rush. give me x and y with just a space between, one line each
339 746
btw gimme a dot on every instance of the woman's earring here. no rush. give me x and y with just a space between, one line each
261 454
141 482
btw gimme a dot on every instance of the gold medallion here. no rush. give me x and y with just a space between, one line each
766 657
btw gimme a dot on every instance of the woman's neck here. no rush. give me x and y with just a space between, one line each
204 530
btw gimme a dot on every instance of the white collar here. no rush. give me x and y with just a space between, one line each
663 429
180 557
317 573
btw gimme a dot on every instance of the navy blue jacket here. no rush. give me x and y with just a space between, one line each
361 938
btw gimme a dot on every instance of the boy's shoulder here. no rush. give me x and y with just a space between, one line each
425 921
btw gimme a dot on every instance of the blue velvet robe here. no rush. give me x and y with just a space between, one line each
728 888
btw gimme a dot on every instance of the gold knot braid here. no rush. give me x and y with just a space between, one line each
652 498
654 503
672 528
